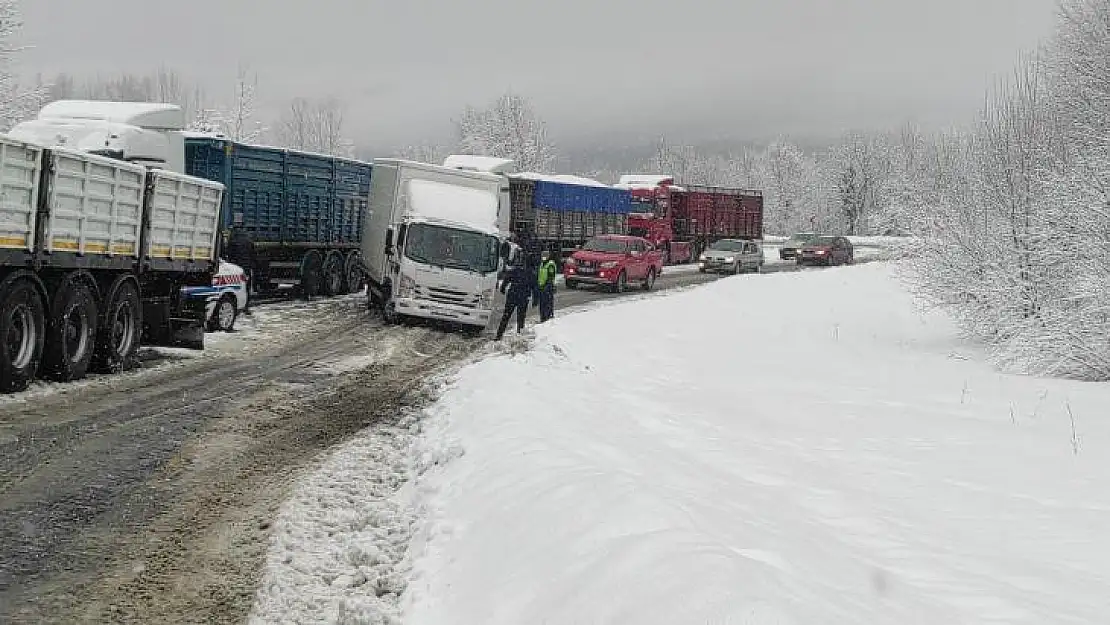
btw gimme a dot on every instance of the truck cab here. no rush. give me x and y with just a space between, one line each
143 133
432 242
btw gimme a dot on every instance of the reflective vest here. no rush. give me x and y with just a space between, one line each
547 272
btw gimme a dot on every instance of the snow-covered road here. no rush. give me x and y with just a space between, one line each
793 448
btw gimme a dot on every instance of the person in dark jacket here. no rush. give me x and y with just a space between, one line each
240 250
519 282
545 280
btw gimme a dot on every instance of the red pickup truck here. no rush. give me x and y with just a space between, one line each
612 261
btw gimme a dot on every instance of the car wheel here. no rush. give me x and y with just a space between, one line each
622 282
650 281
736 268
225 314
571 284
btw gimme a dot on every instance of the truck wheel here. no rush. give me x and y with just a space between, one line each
121 328
312 266
571 284
22 334
352 272
649 282
736 269
334 280
622 282
224 315
71 333
389 313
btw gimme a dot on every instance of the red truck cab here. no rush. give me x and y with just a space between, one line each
651 194
612 261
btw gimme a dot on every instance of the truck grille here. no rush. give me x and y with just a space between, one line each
448 296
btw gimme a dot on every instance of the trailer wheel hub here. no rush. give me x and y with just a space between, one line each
21 336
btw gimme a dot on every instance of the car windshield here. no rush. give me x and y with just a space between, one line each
611 246
451 247
727 246
802 239
823 241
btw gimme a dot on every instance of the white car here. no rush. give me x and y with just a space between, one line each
226 298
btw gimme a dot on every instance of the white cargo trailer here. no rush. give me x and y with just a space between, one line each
94 252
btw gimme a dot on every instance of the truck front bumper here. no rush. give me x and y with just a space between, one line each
441 311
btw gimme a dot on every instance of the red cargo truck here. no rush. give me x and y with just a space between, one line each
683 220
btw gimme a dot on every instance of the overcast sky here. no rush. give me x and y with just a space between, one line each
700 67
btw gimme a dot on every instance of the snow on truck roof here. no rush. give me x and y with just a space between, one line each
141 114
560 178
487 164
648 180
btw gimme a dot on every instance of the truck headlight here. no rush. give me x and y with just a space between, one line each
485 300
609 264
702 258
730 259
406 287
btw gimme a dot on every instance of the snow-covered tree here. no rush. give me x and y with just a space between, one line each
423 153
17 101
508 128
240 121
314 126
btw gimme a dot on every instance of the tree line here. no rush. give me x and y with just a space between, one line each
1011 215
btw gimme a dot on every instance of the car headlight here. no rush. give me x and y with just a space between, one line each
702 258
730 259
406 287
485 300
609 264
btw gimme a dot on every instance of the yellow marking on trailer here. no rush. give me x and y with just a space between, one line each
64 244
159 250
13 242
127 248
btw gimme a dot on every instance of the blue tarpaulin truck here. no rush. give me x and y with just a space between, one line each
289 217
559 213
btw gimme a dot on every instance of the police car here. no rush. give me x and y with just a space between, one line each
226 298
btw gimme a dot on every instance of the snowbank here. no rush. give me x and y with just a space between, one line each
788 448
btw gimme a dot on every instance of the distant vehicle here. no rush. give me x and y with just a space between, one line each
682 221
827 250
612 261
790 247
731 256
224 299
432 241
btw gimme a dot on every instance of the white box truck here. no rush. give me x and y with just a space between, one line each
96 248
432 241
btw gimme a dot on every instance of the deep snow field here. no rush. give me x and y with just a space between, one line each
788 448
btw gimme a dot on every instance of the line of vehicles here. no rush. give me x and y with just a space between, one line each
118 229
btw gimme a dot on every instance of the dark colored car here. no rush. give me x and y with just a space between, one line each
827 250
791 246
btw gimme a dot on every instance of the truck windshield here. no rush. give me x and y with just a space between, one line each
612 246
727 246
451 247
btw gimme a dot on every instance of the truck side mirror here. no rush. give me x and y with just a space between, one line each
388 241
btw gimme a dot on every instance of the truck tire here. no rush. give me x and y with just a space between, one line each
572 284
649 282
71 332
311 273
22 334
352 272
333 279
121 329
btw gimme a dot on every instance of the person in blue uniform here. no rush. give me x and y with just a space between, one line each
519 283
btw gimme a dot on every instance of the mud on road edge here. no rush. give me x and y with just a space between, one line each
201 558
